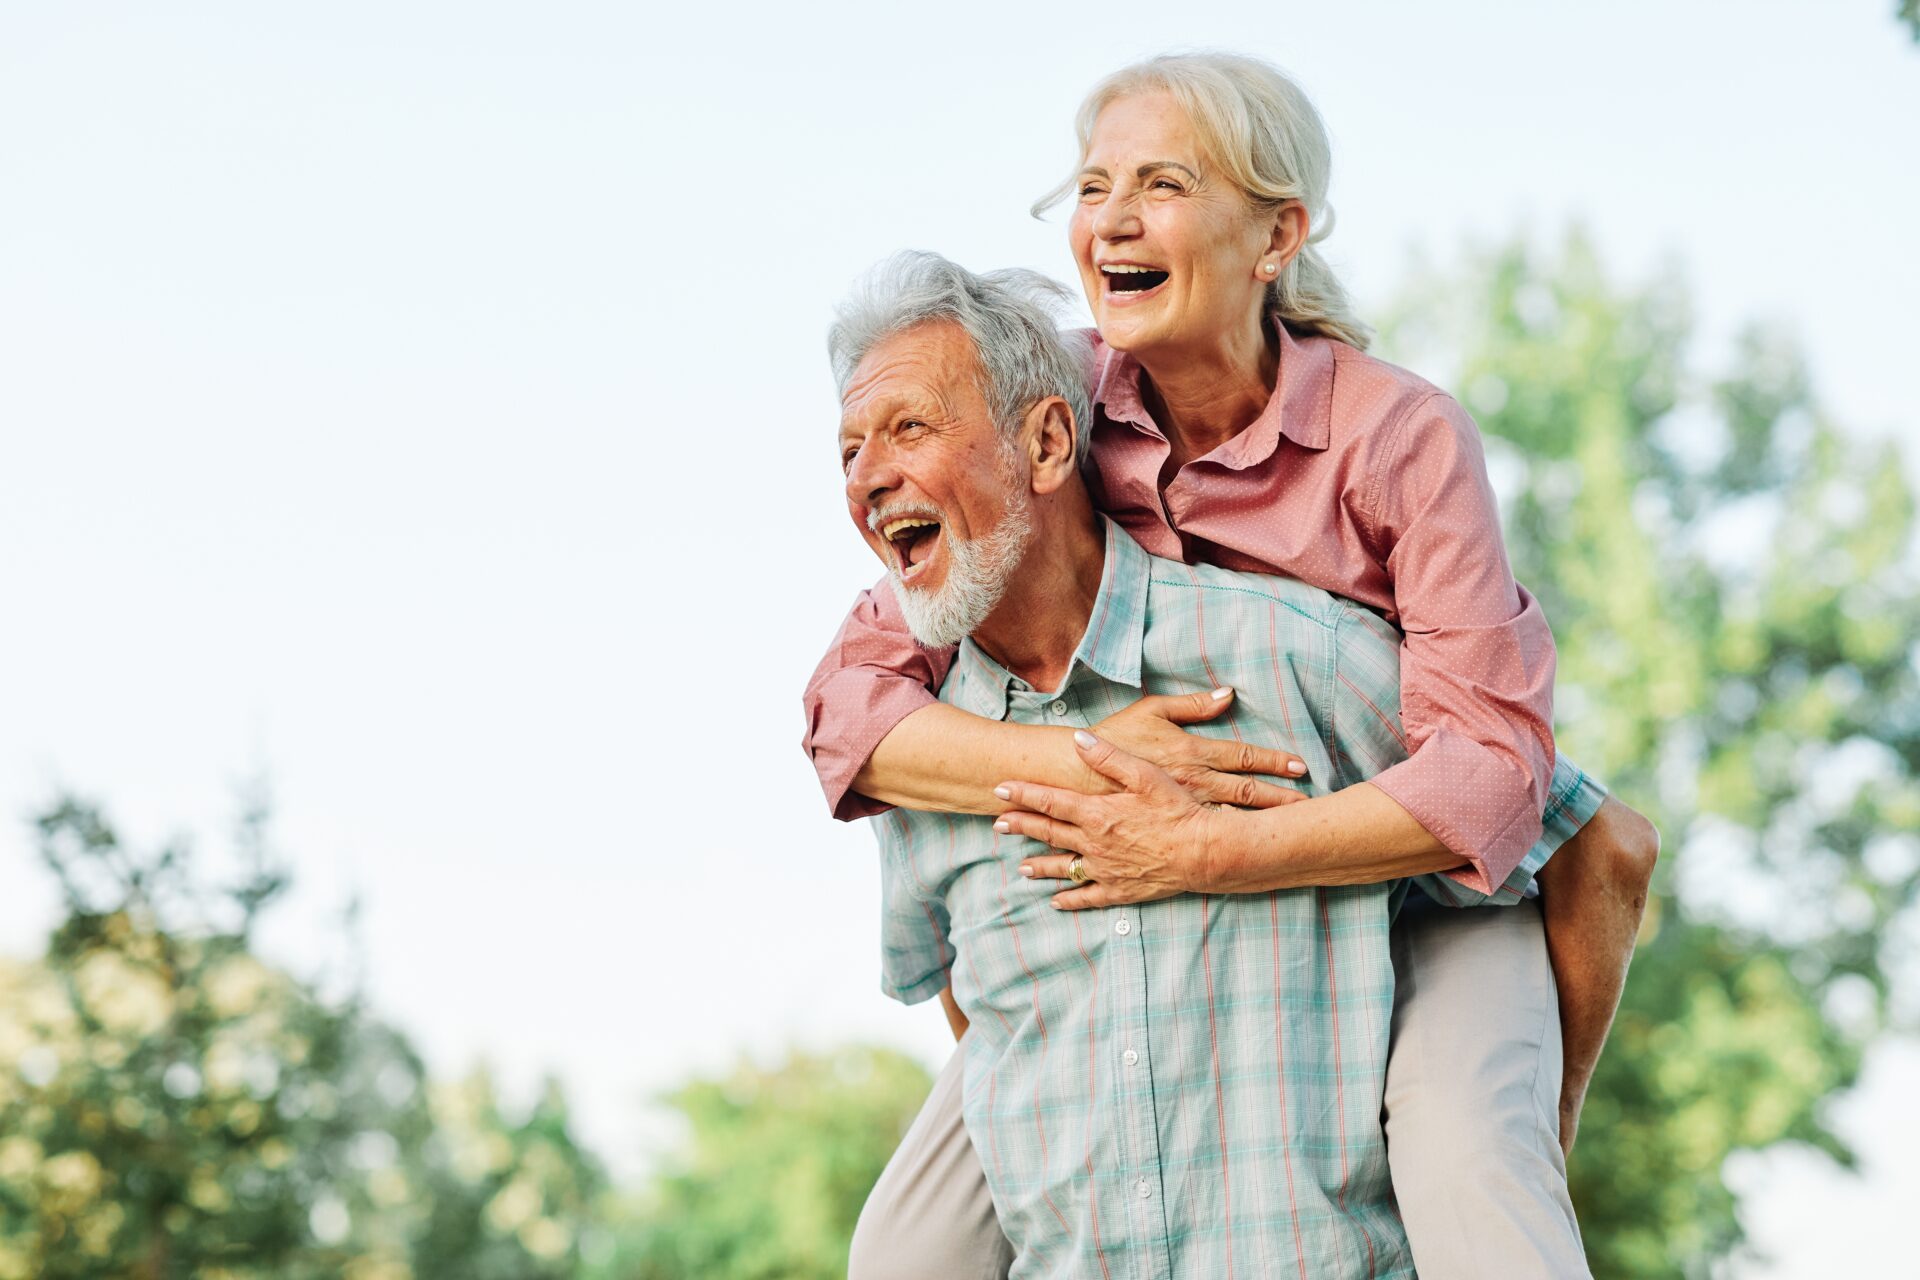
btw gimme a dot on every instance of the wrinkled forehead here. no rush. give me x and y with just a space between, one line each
1143 127
929 369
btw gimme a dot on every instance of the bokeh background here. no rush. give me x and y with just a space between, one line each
418 515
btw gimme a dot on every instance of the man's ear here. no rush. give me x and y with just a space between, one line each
1052 446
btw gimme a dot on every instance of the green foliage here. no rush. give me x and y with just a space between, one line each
1909 13
1730 582
774 1169
173 1106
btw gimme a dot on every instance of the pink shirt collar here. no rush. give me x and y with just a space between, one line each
1301 407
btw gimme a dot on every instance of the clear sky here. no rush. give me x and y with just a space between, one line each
425 403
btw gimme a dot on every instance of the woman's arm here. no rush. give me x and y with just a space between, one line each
946 760
1149 839
1477 658
878 738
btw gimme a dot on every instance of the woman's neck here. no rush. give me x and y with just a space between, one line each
1204 397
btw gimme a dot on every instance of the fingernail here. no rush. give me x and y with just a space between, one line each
1055 904
1005 793
1084 738
1296 768
1026 870
1003 826
1222 693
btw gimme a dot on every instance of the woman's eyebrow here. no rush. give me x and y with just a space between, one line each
1152 165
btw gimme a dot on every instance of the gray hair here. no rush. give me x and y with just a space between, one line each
1260 129
1008 315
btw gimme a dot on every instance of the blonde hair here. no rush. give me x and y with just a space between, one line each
1259 129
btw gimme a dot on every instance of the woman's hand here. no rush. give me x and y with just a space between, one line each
1208 768
1150 839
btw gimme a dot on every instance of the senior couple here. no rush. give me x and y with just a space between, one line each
1207 740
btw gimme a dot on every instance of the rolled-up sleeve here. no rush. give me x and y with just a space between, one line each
916 943
873 676
1477 662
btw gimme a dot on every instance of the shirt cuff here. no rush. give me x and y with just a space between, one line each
1471 799
865 710
918 992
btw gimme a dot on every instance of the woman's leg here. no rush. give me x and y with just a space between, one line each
930 1217
1473 1095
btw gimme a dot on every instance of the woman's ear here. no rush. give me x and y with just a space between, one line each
1285 239
1052 445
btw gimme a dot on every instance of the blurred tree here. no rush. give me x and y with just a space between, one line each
1730 582
776 1164
172 1106
1910 14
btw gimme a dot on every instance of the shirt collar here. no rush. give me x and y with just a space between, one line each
1110 646
1300 408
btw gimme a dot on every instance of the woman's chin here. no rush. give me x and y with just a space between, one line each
1123 330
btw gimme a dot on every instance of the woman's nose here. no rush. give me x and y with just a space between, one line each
1115 219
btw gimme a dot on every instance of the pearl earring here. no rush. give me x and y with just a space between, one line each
1269 268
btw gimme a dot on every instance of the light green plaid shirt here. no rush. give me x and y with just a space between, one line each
1192 1087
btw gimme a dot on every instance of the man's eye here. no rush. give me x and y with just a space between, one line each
846 459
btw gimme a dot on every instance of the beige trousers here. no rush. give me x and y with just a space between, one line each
1472 1124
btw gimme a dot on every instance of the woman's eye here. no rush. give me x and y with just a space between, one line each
1166 184
1091 190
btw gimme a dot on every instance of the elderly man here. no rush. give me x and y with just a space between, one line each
1185 1087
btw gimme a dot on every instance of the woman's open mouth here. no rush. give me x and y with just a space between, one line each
912 540
1130 281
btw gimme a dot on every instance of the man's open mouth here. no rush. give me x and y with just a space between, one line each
912 539
1129 277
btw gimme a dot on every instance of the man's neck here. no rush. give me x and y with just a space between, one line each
1035 629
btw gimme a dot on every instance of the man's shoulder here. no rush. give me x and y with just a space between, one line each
1171 581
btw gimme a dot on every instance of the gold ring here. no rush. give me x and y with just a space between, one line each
1077 869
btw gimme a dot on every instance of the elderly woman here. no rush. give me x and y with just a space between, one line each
1238 421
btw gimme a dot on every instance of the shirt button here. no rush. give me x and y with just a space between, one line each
1130 1057
1059 708
1143 1189
1123 926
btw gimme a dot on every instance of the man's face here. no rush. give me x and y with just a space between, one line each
929 484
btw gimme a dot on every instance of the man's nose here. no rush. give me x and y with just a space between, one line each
872 475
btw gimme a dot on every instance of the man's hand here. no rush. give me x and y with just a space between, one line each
1148 840
1208 768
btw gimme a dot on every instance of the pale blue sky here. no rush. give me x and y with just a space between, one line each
427 401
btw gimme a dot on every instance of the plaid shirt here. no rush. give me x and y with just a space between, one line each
1191 1087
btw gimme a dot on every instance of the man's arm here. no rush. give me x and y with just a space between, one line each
955 1019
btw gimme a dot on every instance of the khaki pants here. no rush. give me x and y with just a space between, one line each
1472 1124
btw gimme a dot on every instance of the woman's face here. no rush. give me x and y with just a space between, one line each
1172 256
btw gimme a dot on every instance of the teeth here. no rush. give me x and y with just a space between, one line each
1128 270
893 528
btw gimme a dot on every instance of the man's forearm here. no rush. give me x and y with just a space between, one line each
941 759
1593 892
1359 835
956 1020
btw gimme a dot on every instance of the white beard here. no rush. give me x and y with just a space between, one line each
978 571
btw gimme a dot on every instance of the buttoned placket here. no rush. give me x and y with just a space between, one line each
1124 981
